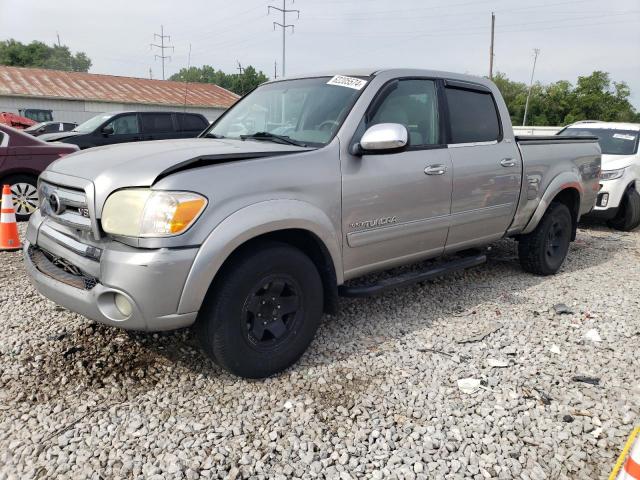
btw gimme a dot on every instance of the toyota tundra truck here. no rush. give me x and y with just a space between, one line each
253 230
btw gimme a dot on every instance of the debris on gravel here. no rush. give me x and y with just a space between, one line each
377 395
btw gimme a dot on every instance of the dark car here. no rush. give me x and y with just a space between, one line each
50 127
22 158
111 128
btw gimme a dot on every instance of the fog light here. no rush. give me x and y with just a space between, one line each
123 305
604 199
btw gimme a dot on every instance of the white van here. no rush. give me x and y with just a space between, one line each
618 200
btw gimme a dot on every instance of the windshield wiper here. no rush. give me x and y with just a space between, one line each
273 137
213 135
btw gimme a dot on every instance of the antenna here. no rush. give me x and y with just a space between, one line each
186 78
283 26
162 46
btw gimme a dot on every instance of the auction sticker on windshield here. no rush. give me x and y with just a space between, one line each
350 82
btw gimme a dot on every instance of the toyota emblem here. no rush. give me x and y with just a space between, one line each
56 206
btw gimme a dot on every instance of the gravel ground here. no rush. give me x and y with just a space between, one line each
376 396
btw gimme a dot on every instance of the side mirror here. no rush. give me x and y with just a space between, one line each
108 130
383 137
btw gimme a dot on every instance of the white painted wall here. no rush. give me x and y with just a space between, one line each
80 110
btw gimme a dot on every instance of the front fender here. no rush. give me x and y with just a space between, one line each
245 224
561 182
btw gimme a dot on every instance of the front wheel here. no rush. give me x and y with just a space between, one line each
263 312
544 250
628 216
25 195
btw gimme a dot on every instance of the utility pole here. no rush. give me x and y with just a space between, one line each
58 35
150 74
536 52
162 47
493 28
283 26
239 67
275 69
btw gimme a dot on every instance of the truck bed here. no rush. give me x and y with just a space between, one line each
547 158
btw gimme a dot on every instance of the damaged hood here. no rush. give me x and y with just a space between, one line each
140 164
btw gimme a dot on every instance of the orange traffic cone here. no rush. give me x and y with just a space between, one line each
9 239
631 468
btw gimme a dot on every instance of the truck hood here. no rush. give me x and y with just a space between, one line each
54 137
614 162
140 164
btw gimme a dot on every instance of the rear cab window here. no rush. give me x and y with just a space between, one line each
473 116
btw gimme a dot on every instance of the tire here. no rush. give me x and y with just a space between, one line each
628 216
25 195
544 250
262 312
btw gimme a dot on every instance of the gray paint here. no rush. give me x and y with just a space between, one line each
329 192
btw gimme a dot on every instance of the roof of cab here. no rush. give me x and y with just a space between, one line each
370 72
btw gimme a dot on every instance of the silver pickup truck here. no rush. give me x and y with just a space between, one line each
252 231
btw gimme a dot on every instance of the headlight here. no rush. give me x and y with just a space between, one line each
611 174
139 212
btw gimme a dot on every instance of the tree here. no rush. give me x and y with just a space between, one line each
40 55
237 83
595 97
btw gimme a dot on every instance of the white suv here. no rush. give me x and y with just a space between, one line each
618 200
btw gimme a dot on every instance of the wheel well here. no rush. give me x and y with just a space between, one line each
14 173
571 198
309 244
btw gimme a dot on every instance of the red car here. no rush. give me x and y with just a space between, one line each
16 121
22 158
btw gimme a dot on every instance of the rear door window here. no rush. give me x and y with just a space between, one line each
157 123
472 115
189 122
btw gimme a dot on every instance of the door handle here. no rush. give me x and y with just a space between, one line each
508 162
435 170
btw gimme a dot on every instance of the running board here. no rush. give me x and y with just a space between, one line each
411 277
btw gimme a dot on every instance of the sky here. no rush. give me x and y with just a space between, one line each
575 37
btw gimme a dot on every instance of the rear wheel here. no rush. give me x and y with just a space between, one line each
264 311
25 195
628 216
544 250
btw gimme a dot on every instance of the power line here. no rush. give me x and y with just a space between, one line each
536 52
284 27
162 47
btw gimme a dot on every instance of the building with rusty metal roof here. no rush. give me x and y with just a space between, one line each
78 96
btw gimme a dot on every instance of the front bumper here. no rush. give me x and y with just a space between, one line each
151 280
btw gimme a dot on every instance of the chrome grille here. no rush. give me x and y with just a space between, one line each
65 205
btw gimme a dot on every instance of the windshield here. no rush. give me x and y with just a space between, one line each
612 142
307 112
91 124
35 127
